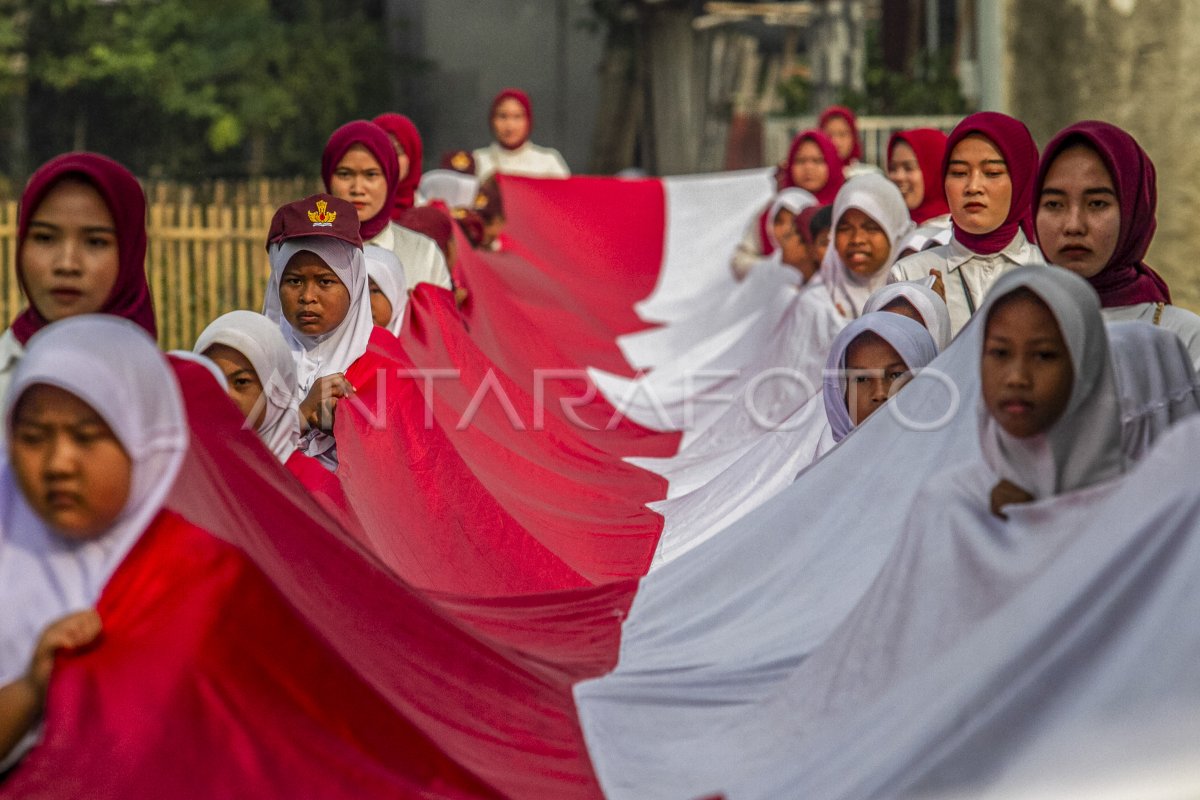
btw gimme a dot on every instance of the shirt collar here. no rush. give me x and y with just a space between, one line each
1019 251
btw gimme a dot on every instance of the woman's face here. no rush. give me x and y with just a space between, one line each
978 185
809 170
381 307
905 172
784 221
510 123
839 132
72 470
69 256
359 179
861 243
874 372
1026 371
313 298
245 387
1079 214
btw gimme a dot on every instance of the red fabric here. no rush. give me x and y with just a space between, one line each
523 99
851 120
432 221
1015 143
409 137
376 141
130 296
1126 279
929 144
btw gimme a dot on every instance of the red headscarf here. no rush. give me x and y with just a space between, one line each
130 297
1126 279
376 140
1015 143
404 130
523 99
930 146
824 195
432 221
852 121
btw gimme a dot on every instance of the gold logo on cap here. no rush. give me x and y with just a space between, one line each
460 161
322 218
481 201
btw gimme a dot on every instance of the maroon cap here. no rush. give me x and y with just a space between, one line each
319 215
459 161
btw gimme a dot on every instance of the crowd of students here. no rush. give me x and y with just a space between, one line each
893 266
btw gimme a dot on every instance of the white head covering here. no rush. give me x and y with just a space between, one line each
794 200
203 361
260 341
456 189
1155 379
879 199
926 236
926 301
909 338
112 365
384 268
333 352
1083 446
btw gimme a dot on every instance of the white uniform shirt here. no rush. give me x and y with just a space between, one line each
419 255
530 160
1180 321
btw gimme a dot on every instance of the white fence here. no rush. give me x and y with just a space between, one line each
874 131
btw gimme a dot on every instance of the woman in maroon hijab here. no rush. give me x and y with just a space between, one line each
511 152
989 173
81 249
359 165
406 140
914 163
1095 212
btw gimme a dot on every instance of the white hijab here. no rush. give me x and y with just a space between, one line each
1084 446
260 341
112 365
384 268
926 301
1155 379
333 352
879 199
794 200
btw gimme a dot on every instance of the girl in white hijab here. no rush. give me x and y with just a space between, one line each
388 284
917 301
749 252
869 221
260 375
117 426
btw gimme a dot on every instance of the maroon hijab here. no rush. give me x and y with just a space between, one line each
852 121
523 99
130 296
824 195
930 146
431 221
1016 145
1126 279
376 140
404 130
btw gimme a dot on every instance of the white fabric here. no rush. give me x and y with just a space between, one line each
911 341
260 341
455 189
11 351
1156 381
384 268
419 255
705 215
112 365
1180 321
879 199
926 301
794 200
929 234
978 271
1084 445
530 160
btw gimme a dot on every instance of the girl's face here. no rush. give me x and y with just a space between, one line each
1079 214
838 131
809 170
874 371
70 467
784 221
401 156
862 243
381 307
905 172
245 387
359 179
69 257
978 185
313 297
1026 369
510 123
